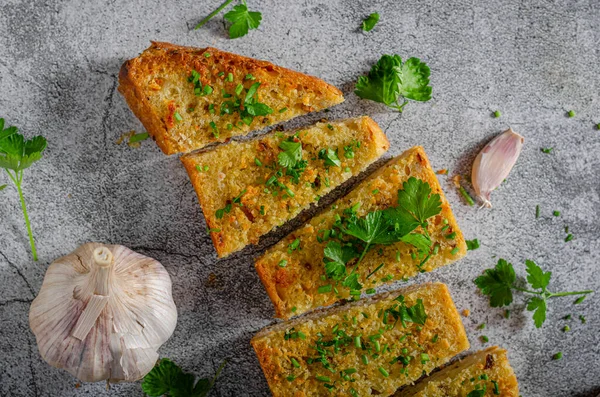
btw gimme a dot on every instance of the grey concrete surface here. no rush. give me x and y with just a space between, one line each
531 60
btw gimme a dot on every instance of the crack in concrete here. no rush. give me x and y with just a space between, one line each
16 300
35 389
164 251
18 270
104 123
392 122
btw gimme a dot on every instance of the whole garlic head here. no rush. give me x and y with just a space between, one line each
102 313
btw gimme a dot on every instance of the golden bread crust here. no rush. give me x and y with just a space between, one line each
156 87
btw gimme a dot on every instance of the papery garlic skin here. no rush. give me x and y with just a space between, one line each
493 164
137 317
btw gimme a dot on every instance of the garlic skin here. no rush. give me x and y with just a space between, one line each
102 313
493 164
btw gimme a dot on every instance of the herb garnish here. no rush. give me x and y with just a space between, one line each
249 108
352 237
472 244
242 20
166 378
370 22
389 81
331 158
499 282
16 155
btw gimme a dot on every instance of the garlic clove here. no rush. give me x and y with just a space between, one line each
102 313
493 164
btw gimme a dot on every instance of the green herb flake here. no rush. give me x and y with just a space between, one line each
537 211
568 238
258 162
282 110
497 114
485 339
139 137
579 300
556 213
384 372
242 20
323 378
571 113
566 328
557 356
215 130
466 196
178 116
369 22
547 150
324 289
472 244
249 77
282 263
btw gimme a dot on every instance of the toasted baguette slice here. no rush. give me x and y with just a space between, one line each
294 289
248 169
374 368
488 371
158 89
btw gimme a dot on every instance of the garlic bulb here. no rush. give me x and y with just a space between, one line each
493 164
102 313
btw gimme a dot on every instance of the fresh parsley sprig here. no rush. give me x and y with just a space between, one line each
16 155
498 283
242 20
393 83
167 379
352 237
370 22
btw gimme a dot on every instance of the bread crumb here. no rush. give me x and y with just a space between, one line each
443 171
456 181
77 385
466 312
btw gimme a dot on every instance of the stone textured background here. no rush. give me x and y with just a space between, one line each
532 60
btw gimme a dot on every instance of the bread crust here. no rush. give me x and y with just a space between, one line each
362 318
296 285
462 377
156 88
232 169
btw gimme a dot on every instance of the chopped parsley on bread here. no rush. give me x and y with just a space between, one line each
486 373
369 347
248 188
393 225
190 97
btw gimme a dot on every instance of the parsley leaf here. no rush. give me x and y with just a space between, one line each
242 20
497 283
2 187
476 393
414 80
372 229
351 282
389 81
292 153
536 276
370 22
417 200
330 156
16 155
420 241
472 244
414 314
382 82
166 378
538 306
339 256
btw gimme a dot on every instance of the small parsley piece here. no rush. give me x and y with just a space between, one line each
481 326
484 339
178 116
466 196
389 81
2 187
537 211
370 22
557 356
472 244
579 300
497 114
568 238
547 150
582 319
16 155
257 162
215 130
282 110
291 155
556 213
499 282
571 113
566 328
384 372
294 245
242 20
331 158
166 378
139 137
477 393
282 263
